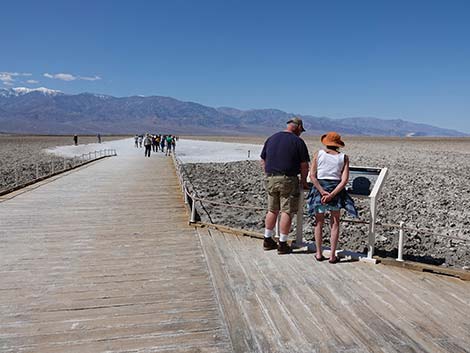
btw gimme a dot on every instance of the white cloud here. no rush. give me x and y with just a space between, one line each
4 77
61 76
94 78
32 81
70 77
65 77
9 77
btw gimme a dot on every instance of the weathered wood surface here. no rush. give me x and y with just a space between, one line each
292 303
102 260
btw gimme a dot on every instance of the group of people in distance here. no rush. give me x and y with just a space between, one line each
164 143
284 157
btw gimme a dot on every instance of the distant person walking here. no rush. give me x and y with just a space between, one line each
136 140
99 138
75 140
162 143
140 140
158 139
154 143
284 157
148 145
330 174
169 143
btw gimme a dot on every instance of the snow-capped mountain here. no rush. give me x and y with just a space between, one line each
19 91
47 111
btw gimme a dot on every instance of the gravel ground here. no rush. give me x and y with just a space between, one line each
19 155
427 187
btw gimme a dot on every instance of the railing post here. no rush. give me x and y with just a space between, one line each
400 242
186 201
37 170
65 163
16 176
193 209
373 216
95 154
52 167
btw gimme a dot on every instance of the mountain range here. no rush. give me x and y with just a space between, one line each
46 111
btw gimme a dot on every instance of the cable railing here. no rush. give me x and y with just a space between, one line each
22 175
191 197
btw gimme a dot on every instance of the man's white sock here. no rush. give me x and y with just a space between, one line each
268 233
283 237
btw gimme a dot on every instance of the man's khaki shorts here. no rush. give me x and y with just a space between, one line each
283 193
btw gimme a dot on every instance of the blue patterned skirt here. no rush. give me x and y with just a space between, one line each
342 200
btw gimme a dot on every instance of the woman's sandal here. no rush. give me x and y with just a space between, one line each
320 259
334 261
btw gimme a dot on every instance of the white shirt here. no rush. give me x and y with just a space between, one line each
329 166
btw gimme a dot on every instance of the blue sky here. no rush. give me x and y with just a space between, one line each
387 59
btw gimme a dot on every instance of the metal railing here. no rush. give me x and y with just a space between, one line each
26 174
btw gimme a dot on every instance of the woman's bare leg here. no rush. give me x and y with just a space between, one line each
319 220
334 225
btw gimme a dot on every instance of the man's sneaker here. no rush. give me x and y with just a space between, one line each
269 244
283 248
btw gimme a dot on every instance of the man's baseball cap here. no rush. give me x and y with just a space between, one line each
298 122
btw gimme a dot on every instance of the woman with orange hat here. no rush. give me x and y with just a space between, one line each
329 174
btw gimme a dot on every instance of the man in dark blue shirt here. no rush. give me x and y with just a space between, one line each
284 157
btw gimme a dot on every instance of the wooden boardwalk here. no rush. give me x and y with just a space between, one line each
102 259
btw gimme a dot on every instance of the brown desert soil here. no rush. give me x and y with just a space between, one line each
428 188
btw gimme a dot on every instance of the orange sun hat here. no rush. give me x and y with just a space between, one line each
332 139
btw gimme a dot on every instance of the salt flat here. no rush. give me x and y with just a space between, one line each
188 151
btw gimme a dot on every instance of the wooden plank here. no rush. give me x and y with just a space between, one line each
420 304
416 266
349 306
246 307
239 328
307 315
102 259
228 230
